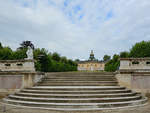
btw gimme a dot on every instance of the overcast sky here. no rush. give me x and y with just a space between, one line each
75 27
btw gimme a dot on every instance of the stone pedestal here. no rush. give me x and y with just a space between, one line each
134 73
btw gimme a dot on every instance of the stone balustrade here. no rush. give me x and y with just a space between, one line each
17 65
134 64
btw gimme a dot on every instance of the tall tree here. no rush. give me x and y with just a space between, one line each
140 49
124 54
1 45
106 58
56 56
77 60
25 44
64 59
19 54
113 64
6 53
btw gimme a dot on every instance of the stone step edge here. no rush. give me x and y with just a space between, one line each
79 79
80 75
107 98
76 94
78 82
77 87
75 104
75 109
82 91
88 77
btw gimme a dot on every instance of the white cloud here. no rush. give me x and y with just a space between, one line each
77 27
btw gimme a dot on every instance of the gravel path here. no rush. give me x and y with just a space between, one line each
144 109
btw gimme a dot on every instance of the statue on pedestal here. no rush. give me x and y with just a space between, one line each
29 53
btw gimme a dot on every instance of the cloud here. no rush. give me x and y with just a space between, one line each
73 28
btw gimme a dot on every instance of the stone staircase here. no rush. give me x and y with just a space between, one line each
76 92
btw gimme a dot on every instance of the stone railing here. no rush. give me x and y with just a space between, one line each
130 64
17 65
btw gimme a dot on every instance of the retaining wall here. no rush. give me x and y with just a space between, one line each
11 82
137 81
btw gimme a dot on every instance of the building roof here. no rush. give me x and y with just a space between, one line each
90 61
92 56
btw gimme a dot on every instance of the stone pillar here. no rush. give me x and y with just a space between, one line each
28 80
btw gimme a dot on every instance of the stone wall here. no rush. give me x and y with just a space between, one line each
137 81
141 82
11 82
124 80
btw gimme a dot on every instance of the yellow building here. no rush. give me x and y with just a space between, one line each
92 64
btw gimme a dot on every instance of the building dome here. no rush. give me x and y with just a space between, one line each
91 56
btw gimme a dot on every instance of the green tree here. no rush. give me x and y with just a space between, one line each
1 47
140 49
77 60
6 53
70 62
19 54
106 58
56 56
64 59
46 63
124 54
113 64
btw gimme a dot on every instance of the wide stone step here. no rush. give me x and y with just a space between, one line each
49 77
77 88
75 91
75 100
79 79
76 95
77 84
80 75
75 106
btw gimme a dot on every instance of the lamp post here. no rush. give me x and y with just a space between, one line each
42 60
